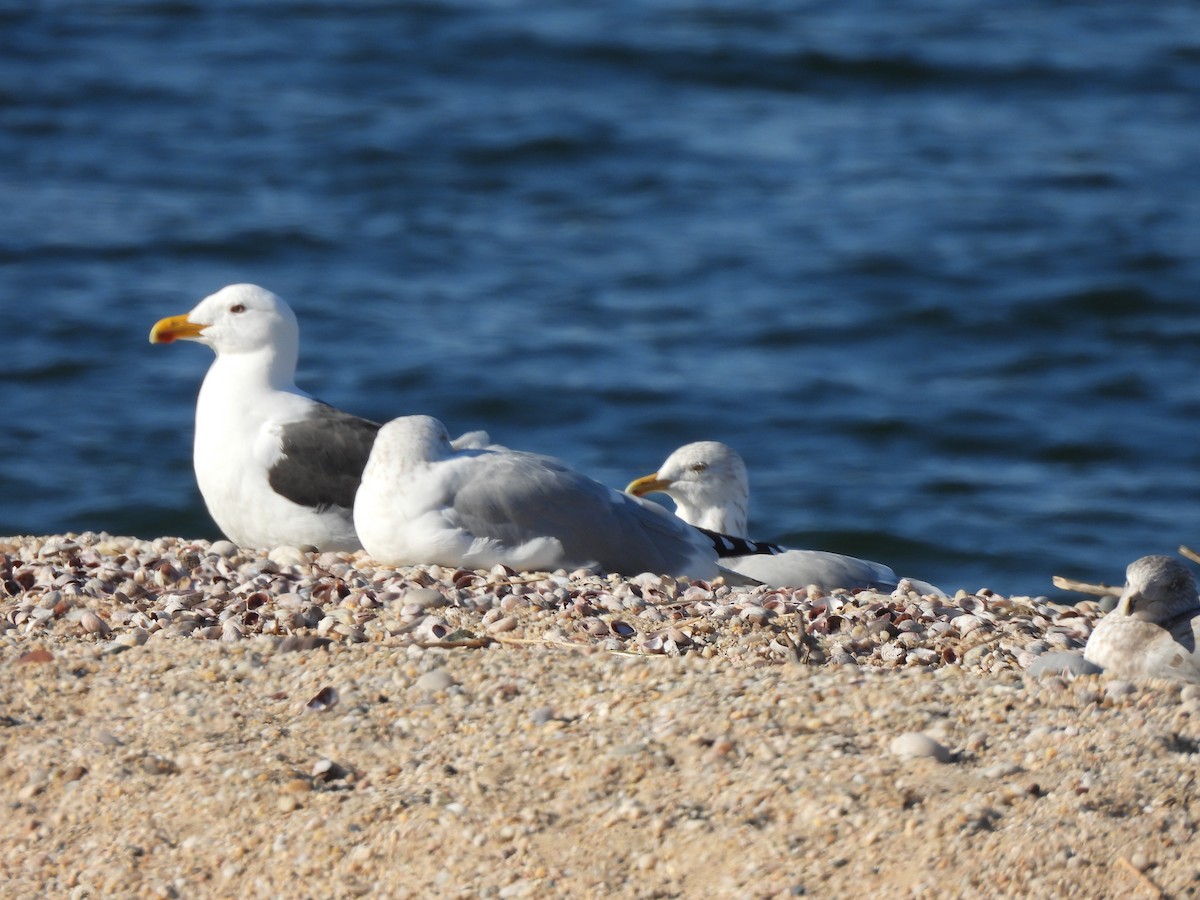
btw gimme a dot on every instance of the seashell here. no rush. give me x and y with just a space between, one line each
353 633
982 622
623 629
653 643
432 628
891 652
93 624
464 579
324 700
757 615
678 637
327 770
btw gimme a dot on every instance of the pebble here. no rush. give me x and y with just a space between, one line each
425 598
503 624
435 680
287 556
1060 661
918 745
1117 688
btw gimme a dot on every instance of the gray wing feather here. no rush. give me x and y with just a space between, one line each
514 497
800 568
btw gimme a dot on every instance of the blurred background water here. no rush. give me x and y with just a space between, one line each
932 268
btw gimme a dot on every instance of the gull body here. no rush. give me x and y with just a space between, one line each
711 489
424 502
274 465
1154 631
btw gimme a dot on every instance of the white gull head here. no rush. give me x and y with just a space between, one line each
708 482
241 319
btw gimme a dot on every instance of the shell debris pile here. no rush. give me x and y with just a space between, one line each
128 591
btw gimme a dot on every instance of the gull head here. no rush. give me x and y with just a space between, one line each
240 318
408 440
1158 589
708 482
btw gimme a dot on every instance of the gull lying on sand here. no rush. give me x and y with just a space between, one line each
1155 629
423 501
710 487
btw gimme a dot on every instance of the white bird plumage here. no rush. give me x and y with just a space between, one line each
423 501
711 489
1154 631
274 465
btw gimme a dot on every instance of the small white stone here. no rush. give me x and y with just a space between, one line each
503 624
916 745
435 680
1119 689
287 556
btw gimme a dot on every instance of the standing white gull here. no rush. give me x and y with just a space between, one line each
423 501
710 487
274 465
1154 632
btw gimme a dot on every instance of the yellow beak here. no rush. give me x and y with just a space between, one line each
647 484
175 328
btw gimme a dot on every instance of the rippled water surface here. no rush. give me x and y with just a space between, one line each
933 270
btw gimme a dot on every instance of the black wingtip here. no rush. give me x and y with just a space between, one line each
728 545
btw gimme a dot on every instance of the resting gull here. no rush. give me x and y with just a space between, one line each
423 501
1154 631
710 487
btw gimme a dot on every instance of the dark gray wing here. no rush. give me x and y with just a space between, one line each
324 455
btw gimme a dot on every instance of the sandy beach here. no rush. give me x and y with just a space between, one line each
184 719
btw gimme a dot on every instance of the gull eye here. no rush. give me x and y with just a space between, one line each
700 467
238 308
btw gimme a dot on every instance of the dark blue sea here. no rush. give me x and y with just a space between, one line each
933 268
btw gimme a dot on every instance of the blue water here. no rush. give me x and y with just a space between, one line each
934 269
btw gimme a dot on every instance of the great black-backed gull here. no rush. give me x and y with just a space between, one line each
421 501
275 466
710 487
1154 632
